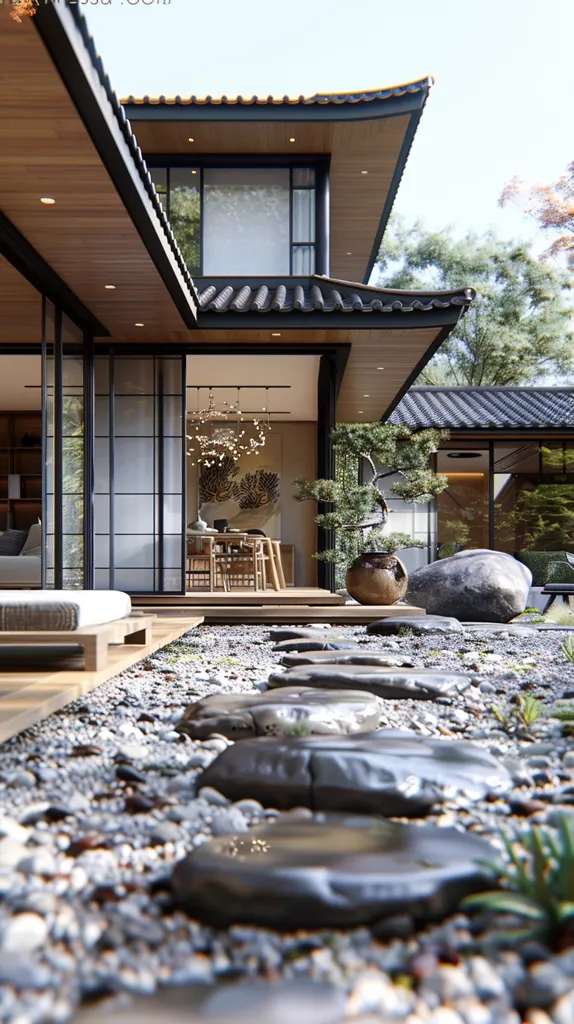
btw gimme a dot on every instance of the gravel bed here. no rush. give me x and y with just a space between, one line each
99 801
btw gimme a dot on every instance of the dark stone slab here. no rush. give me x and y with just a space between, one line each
477 585
361 657
286 646
419 625
339 872
391 684
396 774
289 711
280 633
508 628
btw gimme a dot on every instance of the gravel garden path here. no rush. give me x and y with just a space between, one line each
100 801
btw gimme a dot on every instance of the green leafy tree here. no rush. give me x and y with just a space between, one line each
358 512
184 213
519 328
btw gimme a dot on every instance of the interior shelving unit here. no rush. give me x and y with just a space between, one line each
21 455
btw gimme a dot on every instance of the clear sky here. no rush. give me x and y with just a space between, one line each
502 104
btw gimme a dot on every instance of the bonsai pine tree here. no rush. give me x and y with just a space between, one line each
358 510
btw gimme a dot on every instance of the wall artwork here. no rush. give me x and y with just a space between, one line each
248 492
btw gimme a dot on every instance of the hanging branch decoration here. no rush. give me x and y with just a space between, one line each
23 9
224 436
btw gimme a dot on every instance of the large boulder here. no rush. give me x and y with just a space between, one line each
479 585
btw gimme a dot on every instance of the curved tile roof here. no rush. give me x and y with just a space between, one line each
133 146
318 294
318 99
468 408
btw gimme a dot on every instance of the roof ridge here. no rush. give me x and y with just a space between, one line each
468 293
347 96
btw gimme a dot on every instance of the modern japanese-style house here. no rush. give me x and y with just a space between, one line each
178 276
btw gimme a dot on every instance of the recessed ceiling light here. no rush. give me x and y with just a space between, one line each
380 367
191 140
366 396
275 334
349 254
361 412
110 287
47 201
194 172
364 172
139 325
291 140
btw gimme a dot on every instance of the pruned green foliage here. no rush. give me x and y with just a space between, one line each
537 883
359 511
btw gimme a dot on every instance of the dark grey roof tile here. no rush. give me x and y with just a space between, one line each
468 408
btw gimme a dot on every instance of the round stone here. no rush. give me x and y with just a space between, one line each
391 684
291 711
420 625
478 585
338 872
24 933
387 772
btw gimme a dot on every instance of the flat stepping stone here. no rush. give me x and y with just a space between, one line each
390 684
286 646
509 628
303 633
420 625
360 657
388 772
340 872
289 711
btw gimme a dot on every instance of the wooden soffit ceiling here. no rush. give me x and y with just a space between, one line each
87 237
358 200
20 308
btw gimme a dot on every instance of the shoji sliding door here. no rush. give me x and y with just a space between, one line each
139 473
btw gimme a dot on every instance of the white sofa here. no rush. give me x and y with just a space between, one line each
25 569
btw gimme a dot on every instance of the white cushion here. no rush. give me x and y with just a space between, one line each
33 544
91 607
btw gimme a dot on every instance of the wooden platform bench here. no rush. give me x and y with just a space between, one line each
88 619
95 640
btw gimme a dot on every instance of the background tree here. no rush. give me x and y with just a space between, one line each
517 331
552 206
184 213
360 510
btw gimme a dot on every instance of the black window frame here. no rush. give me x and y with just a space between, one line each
320 166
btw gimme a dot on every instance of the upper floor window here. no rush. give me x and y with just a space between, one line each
235 222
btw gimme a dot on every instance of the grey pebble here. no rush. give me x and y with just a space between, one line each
23 933
228 821
213 796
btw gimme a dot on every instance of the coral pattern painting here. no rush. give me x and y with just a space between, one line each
247 493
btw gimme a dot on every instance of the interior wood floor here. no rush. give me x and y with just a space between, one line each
242 597
28 696
294 614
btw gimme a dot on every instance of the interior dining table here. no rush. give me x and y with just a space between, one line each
207 544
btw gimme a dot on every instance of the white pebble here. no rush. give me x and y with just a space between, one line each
24 933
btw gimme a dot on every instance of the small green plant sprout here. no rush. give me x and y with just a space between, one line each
301 729
520 716
560 615
563 710
537 884
568 647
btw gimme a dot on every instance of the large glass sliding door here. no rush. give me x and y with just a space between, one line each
64 439
139 473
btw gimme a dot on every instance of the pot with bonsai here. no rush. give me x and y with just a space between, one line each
355 511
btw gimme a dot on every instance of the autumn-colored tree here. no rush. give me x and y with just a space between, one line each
552 206
23 9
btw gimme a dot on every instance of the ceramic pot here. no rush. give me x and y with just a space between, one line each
376 577
199 526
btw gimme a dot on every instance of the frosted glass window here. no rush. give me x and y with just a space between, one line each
246 222
134 416
172 455
172 551
303 177
303 259
134 516
102 552
134 465
303 215
133 376
102 416
136 580
134 552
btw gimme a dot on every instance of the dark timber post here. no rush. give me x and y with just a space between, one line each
491 495
89 457
327 394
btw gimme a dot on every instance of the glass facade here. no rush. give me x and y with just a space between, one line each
234 221
509 495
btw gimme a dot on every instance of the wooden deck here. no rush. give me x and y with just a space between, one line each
242 598
28 696
272 608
